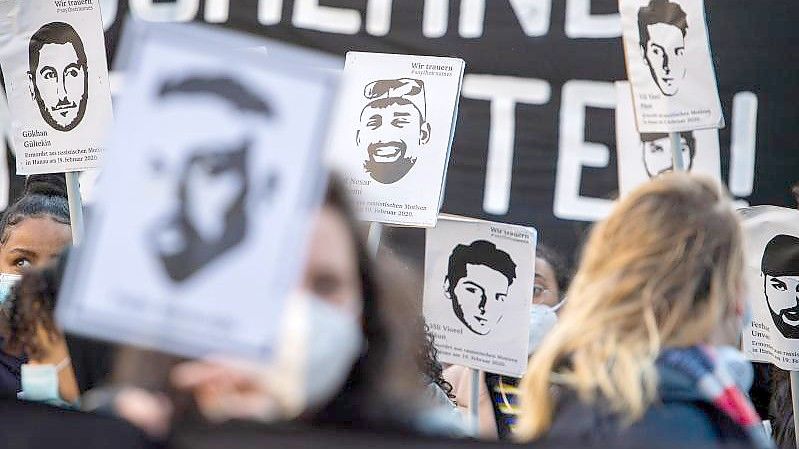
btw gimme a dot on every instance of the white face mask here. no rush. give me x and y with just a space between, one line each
40 382
7 281
542 320
317 348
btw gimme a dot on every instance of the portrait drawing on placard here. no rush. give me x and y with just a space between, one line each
780 271
662 30
392 128
208 182
478 280
657 153
58 75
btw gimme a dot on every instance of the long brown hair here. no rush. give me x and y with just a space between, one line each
663 270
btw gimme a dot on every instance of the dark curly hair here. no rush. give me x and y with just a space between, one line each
429 364
30 306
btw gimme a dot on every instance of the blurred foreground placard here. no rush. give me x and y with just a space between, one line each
201 213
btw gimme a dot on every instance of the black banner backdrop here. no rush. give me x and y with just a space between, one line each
535 141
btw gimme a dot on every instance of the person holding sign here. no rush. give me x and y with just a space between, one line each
344 365
645 344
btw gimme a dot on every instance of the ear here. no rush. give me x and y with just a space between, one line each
446 288
424 133
358 137
31 85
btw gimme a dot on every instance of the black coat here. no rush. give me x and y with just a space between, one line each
680 419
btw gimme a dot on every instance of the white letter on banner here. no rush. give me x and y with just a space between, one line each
533 15
436 18
109 8
743 142
308 14
270 11
503 92
575 152
177 11
217 11
581 23
472 16
378 17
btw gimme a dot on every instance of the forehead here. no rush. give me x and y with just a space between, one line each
390 110
51 53
663 33
39 234
485 276
197 117
544 269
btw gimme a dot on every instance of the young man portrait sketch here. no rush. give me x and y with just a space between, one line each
478 278
58 75
392 128
207 185
657 153
662 28
780 270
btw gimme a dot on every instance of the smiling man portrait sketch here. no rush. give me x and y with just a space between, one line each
392 128
58 75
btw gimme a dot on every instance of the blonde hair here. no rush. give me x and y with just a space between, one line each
663 270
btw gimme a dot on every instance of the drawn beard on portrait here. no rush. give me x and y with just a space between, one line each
196 252
388 172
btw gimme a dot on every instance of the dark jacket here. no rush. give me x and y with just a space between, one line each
680 418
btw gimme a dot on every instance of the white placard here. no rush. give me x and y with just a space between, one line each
667 50
201 215
393 131
642 157
54 65
771 236
478 290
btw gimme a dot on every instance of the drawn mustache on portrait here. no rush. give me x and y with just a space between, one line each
63 105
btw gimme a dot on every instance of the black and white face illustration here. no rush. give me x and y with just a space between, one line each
657 154
58 75
478 280
203 212
662 28
780 269
392 128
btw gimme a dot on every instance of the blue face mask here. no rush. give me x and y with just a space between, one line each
7 281
40 382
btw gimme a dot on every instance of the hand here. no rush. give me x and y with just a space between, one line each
227 390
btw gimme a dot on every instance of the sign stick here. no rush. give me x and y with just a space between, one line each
373 240
75 207
795 400
676 152
474 400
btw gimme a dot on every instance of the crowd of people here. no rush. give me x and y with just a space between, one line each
639 348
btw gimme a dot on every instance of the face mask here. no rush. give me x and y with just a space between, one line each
738 366
40 382
318 345
542 320
7 281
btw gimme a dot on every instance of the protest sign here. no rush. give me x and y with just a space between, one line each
54 66
667 51
478 290
771 236
393 131
203 208
642 157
